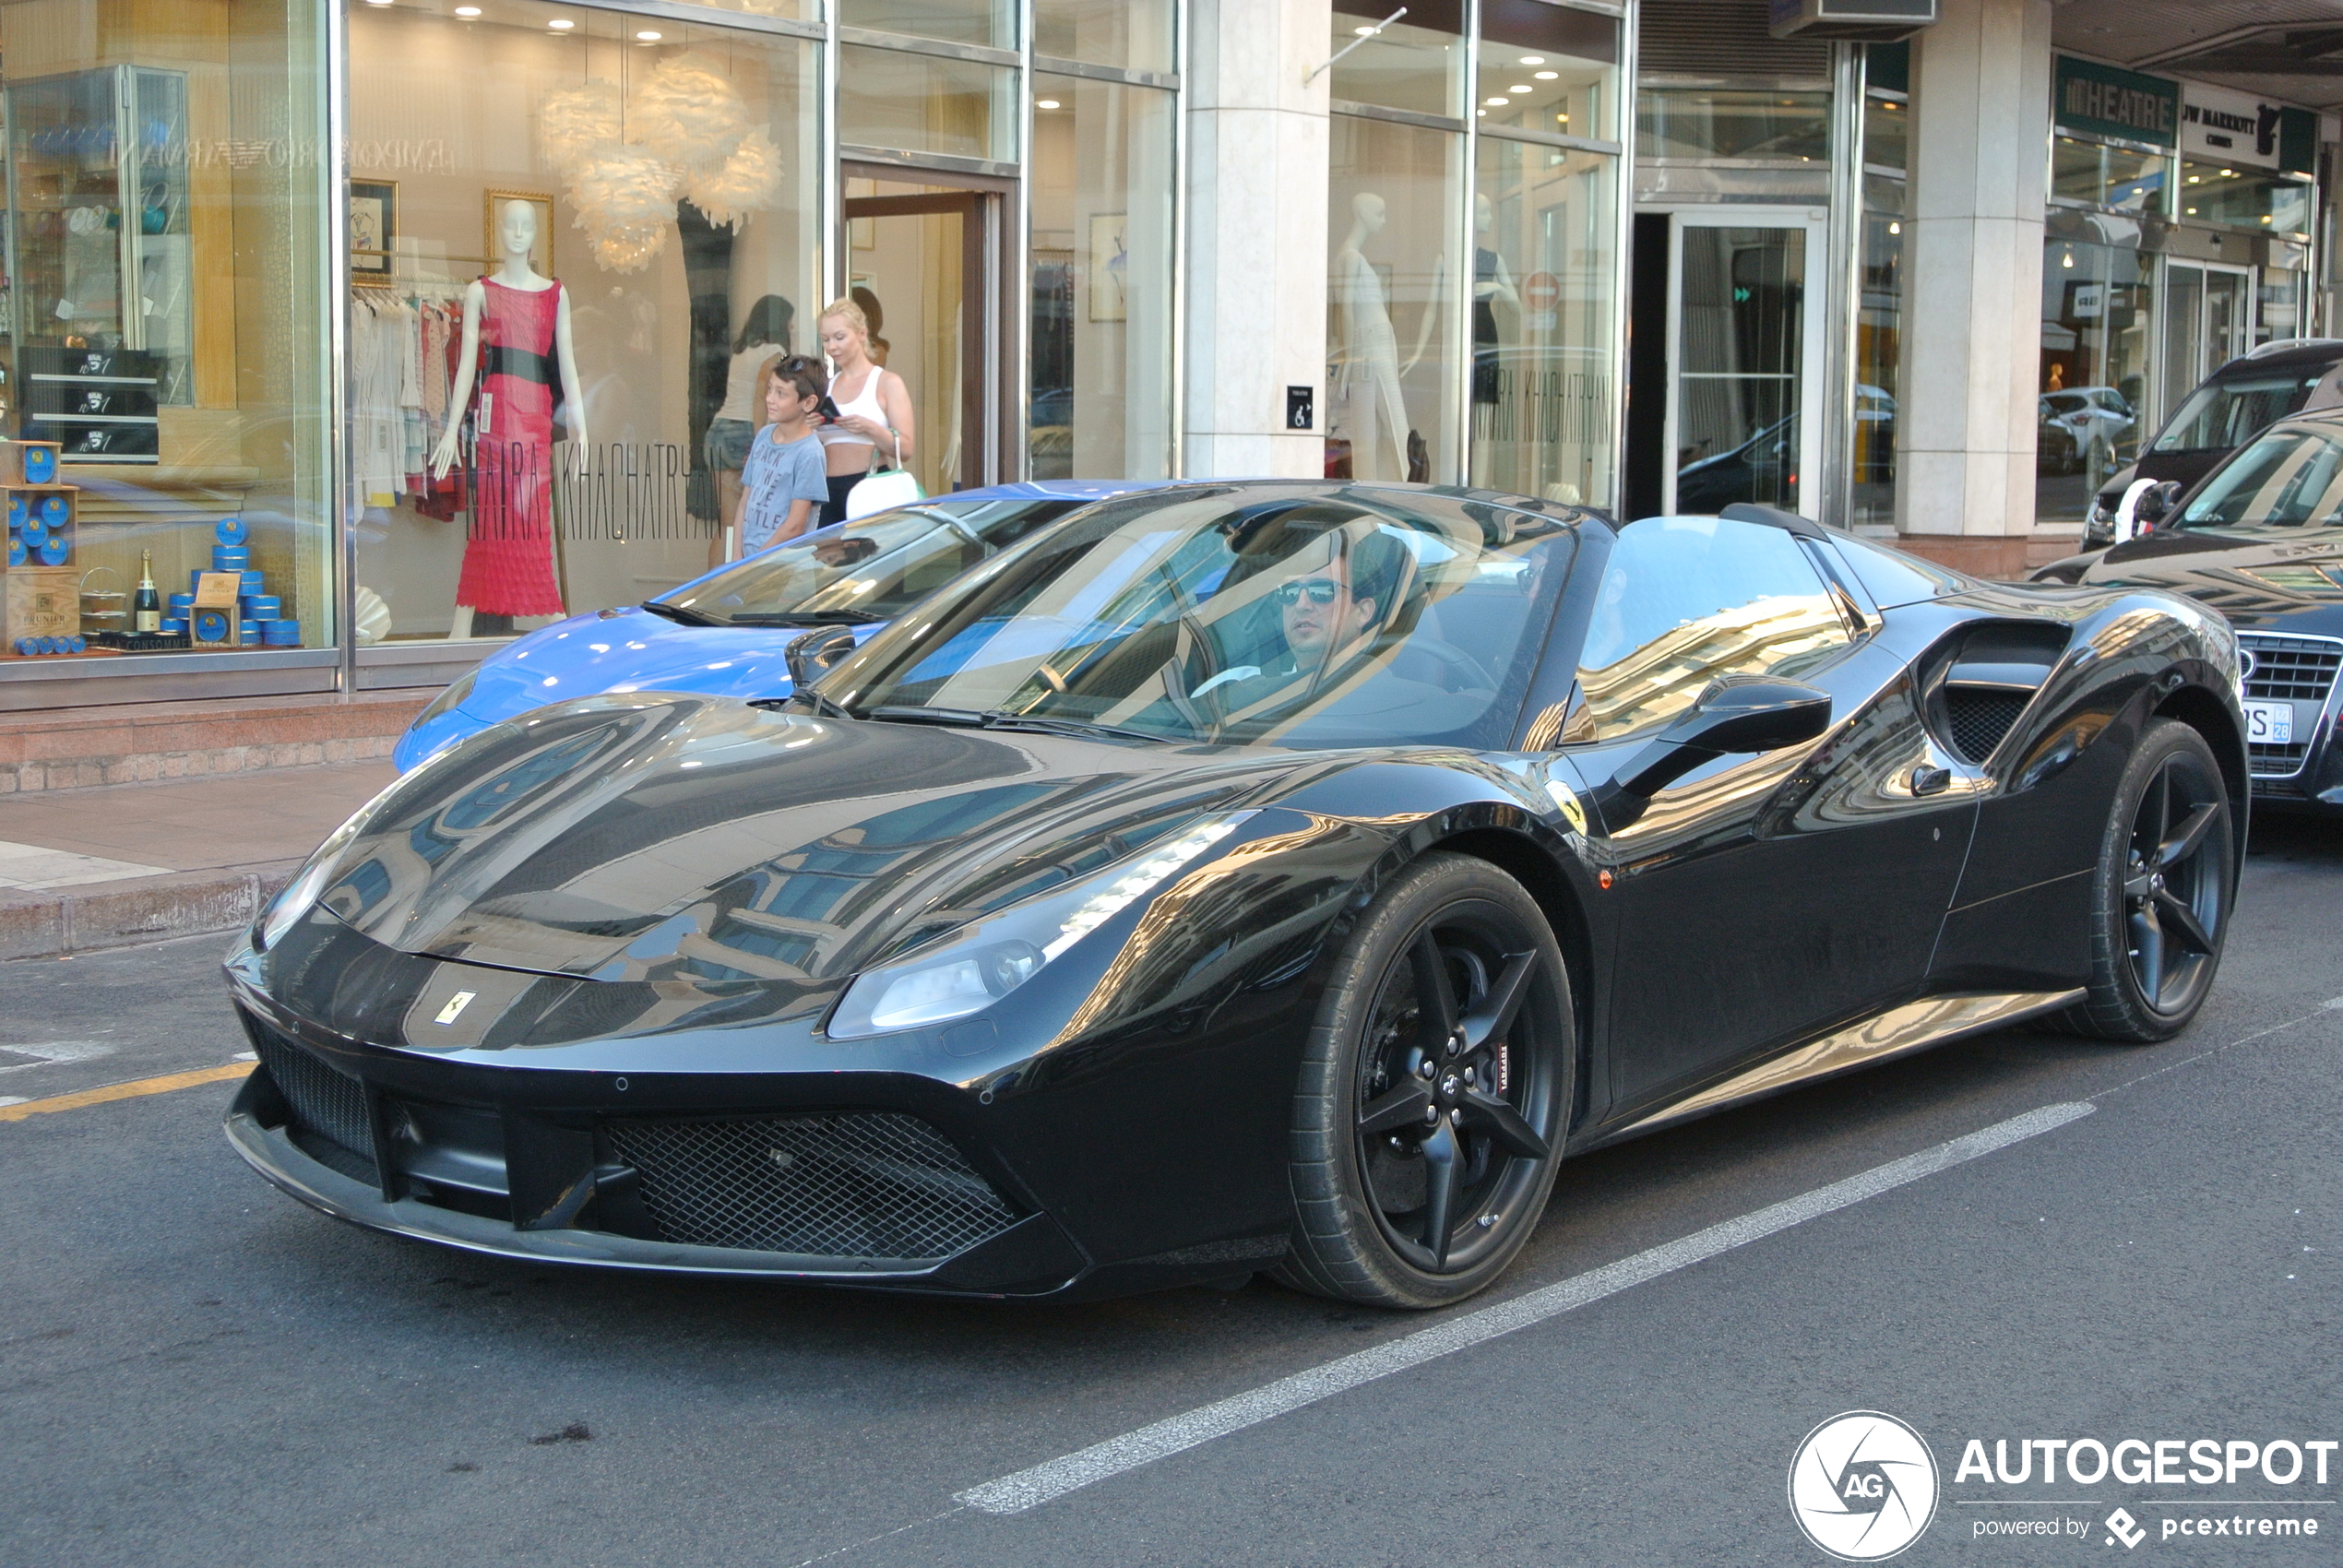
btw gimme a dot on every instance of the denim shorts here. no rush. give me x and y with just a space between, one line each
727 444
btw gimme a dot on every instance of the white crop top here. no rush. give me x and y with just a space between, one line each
866 403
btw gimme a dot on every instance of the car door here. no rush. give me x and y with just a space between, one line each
1764 897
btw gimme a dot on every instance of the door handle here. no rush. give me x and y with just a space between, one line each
1928 781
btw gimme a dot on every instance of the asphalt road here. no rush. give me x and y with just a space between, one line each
194 1368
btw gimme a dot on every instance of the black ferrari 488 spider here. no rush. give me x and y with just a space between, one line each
1235 878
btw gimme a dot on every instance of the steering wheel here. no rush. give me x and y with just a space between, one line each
1468 670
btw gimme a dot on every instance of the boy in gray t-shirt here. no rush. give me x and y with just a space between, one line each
784 482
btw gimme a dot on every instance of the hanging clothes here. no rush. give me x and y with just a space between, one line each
508 552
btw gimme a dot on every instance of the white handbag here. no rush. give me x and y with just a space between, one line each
883 489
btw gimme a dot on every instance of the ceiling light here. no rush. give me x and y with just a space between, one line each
1364 32
1522 88
1045 103
1549 75
648 36
1481 113
2192 212
2068 259
2229 173
377 2
468 10
1894 228
1496 103
2193 178
1533 59
560 24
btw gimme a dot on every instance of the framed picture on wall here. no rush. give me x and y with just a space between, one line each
374 228
1109 266
492 250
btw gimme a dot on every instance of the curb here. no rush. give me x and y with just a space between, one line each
137 910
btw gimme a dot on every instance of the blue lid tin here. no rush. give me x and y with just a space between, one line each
183 601
53 550
174 626
34 530
262 607
230 557
249 634
53 509
40 465
254 582
281 633
230 530
16 552
18 507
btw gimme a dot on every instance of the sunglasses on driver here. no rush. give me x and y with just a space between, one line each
1322 590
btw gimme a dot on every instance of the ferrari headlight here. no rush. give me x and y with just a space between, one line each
986 960
293 900
452 698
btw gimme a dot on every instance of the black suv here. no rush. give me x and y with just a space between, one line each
2223 413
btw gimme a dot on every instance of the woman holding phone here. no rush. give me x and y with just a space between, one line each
873 420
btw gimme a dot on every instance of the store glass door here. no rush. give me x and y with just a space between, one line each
2208 320
923 260
1744 406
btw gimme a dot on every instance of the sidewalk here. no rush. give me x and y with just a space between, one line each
117 865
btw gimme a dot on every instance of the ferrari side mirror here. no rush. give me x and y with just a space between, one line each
1735 713
818 652
2156 503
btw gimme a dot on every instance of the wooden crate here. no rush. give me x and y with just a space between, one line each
39 601
13 456
34 496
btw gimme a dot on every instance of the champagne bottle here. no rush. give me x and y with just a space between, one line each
147 608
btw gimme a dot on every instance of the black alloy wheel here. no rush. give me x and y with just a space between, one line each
1431 1101
2166 874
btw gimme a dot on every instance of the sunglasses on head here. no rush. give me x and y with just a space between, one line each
1322 590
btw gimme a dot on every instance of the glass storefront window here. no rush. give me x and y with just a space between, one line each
924 103
2091 407
1133 34
536 169
1887 124
1777 126
991 23
2248 198
1544 391
164 231
1415 64
2074 169
1879 336
1544 68
2121 178
1394 195
1102 342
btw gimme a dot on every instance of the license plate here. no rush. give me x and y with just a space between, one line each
2269 723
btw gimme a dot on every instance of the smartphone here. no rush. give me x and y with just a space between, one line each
827 409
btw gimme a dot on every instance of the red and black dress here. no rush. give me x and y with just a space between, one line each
508 554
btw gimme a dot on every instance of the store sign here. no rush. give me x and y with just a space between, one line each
2222 126
2101 100
1540 293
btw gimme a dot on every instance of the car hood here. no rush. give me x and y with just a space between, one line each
634 650
2276 579
662 837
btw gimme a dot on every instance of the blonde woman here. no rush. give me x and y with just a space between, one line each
874 407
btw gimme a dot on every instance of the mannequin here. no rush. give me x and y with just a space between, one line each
1368 388
522 320
1491 281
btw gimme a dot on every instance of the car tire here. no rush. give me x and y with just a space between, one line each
2160 893
1486 1121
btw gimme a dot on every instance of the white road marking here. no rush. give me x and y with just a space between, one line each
55 1051
1055 1478
34 865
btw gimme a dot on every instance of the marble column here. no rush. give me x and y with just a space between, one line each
1972 305
1256 241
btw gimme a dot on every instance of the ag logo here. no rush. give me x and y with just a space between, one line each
1863 1486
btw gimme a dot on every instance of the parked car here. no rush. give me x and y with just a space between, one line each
2071 425
2260 538
1271 876
1765 464
730 633
2222 415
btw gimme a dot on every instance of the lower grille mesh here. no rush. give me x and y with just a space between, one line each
326 1103
861 1184
1980 720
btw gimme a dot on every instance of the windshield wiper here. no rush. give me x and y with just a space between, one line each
807 618
682 615
1045 724
824 707
958 717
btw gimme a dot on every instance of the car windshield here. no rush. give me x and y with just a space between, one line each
870 570
2285 480
2225 412
1304 617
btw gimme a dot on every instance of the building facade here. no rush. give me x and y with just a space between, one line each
1645 256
